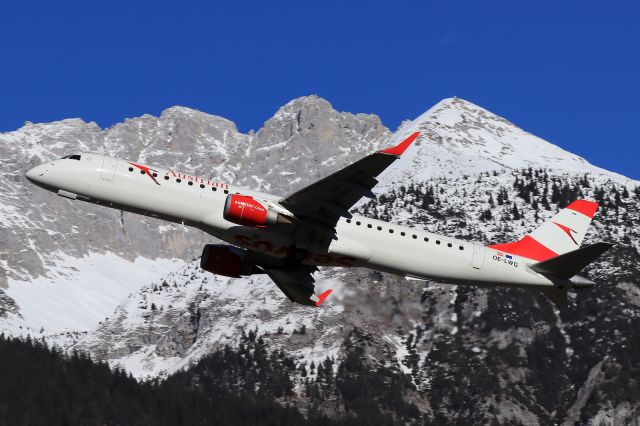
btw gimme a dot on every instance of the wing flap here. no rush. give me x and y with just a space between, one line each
298 285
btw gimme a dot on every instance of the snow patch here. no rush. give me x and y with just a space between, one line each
80 292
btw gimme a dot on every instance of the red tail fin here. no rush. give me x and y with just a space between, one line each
561 234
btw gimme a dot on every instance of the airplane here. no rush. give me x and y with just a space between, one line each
289 237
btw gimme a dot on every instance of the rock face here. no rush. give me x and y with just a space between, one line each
461 353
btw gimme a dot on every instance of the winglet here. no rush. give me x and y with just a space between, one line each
402 146
323 297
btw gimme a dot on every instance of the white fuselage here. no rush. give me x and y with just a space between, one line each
359 241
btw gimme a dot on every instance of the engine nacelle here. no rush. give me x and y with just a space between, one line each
247 211
227 261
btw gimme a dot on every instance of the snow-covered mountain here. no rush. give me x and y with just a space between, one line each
459 137
128 290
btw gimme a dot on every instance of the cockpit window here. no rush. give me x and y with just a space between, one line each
71 157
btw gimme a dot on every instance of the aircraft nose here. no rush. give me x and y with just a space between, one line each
35 174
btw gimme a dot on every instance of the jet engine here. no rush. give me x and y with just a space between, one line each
247 211
227 261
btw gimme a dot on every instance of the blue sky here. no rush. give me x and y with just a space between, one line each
565 71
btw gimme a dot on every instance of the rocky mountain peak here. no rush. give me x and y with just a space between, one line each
180 113
462 109
304 133
461 138
304 103
307 113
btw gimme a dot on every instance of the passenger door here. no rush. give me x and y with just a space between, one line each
478 256
108 171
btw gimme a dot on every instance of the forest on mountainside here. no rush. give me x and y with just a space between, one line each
42 386
247 385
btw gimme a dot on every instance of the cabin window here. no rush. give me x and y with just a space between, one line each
358 223
190 183
348 220
130 169
449 245
178 180
437 241
141 172
155 175
226 191
461 248
379 228
403 234
202 185
426 240
71 157
369 225
214 188
166 178
391 231
414 236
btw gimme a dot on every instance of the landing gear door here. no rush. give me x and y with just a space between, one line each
108 168
478 256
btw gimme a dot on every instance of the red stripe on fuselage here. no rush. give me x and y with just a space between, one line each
526 247
147 171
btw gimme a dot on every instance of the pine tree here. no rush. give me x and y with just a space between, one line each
486 215
514 212
556 198
625 192
545 203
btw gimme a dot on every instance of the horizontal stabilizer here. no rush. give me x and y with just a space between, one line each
569 264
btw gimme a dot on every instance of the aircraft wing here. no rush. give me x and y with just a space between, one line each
297 284
331 198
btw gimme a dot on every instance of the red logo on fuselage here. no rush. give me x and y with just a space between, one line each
200 180
147 171
152 173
